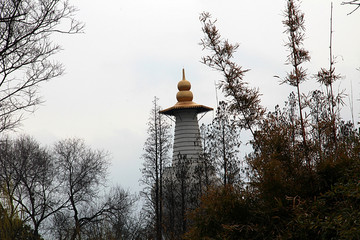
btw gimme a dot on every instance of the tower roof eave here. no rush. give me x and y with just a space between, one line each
186 105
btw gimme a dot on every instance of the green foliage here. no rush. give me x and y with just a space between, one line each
282 206
335 213
223 214
13 228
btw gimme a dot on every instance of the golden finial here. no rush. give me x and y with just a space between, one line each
184 86
185 97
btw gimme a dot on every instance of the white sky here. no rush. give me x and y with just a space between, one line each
133 50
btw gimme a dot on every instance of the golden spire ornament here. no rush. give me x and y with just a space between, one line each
184 99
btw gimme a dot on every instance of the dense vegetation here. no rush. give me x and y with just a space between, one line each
303 178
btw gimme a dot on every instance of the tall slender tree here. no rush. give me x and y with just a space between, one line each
244 101
156 158
327 78
295 27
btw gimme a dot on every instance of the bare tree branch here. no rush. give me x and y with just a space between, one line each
353 2
244 101
26 49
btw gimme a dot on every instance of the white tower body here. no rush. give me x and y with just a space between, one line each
187 136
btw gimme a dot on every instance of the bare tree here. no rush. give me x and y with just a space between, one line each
156 157
7 183
28 180
37 192
223 145
26 27
183 191
82 171
40 187
120 222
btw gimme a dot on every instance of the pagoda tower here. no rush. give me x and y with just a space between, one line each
187 141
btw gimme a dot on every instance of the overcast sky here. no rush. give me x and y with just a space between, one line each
133 50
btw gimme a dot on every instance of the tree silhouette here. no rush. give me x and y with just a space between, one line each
156 158
26 49
244 102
